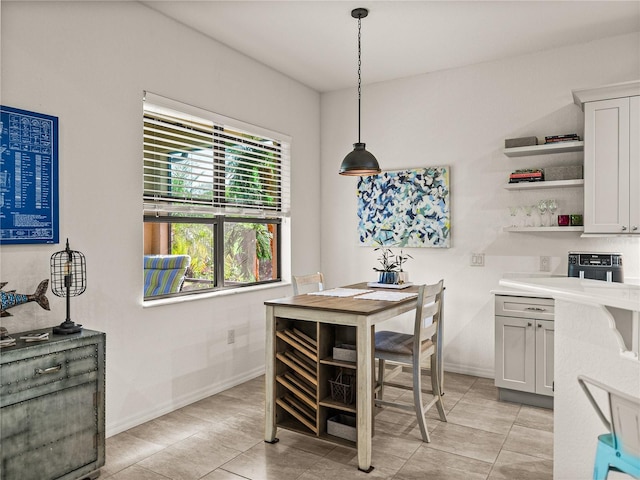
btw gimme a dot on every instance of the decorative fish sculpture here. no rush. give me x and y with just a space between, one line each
12 299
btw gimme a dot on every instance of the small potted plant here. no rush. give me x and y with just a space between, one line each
390 264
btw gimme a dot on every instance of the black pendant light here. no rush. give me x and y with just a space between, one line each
359 162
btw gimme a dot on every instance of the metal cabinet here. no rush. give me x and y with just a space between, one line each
524 348
52 407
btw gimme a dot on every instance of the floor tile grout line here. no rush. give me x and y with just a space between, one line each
504 441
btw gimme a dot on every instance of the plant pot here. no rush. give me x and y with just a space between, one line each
403 277
388 277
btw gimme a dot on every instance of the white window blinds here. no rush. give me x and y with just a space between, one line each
198 161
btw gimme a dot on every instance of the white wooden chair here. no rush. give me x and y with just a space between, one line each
313 282
412 350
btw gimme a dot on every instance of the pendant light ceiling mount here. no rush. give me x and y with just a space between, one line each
359 162
359 12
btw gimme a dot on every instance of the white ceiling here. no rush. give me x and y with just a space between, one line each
315 42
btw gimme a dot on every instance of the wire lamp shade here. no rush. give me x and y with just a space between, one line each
68 279
359 161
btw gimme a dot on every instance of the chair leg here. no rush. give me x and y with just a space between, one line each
436 387
381 367
601 465
417 399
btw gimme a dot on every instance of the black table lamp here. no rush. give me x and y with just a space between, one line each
68 279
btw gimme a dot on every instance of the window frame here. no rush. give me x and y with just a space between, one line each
164 209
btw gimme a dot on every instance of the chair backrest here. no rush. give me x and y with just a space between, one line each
313 282
624 411
164 274
429 307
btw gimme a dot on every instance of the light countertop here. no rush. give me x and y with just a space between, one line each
611 294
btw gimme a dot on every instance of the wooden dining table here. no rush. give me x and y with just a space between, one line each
351 311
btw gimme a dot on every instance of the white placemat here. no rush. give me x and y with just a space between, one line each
388 296
340 292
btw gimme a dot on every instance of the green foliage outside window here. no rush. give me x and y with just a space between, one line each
195 240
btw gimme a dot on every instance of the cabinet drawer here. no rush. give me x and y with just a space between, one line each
42 374
525 307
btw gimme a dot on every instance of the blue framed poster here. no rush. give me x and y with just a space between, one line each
28 177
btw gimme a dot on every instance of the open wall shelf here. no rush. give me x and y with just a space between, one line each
546 149
543 229
549 184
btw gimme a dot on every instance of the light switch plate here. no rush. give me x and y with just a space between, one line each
545 264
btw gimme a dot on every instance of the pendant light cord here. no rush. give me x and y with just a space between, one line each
359 73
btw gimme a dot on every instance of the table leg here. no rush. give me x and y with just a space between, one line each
269 379
364 396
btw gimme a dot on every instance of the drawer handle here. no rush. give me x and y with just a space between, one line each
54 369
536 309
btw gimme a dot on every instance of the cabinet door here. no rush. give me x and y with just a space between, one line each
515 353
544 357
634 164
606 166
51 435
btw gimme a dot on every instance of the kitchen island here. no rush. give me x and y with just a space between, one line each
596 335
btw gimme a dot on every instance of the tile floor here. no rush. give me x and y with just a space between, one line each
221 438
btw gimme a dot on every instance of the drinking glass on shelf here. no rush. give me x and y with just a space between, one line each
552 206
528 209
542 208
513 212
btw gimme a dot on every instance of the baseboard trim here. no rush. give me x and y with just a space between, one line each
469 370
533 399
121 425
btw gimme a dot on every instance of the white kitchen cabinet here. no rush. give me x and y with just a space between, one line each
524 349
515 353
544 357
611 159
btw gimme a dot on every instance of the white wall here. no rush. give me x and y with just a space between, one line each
460 118
88 63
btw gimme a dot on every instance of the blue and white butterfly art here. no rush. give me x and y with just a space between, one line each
406 208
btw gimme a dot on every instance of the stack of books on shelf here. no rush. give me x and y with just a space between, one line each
569 137
527 175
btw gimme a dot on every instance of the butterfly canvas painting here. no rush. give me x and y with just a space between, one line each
405 208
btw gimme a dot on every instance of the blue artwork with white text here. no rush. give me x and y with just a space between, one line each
28 177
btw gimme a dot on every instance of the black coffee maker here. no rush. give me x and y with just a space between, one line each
596 266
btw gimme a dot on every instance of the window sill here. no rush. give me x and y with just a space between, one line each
219 293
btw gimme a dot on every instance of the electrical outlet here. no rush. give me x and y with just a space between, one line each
545 264
231 336
477 260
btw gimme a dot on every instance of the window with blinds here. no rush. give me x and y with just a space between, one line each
190 161
215 191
